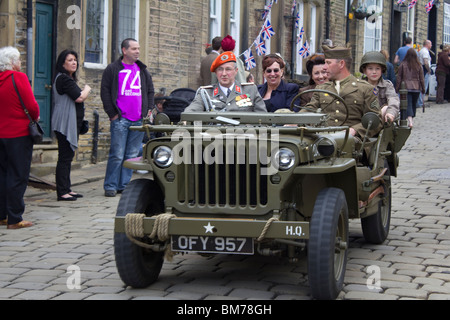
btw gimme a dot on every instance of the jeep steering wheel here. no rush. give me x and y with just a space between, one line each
336 96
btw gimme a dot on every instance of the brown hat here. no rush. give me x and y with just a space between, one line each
337 52
225 57
228 43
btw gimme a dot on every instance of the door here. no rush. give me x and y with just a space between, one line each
395 37
43 63
432 31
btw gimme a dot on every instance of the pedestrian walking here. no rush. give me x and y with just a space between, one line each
442 70
411 73
16 145
127 94
425 61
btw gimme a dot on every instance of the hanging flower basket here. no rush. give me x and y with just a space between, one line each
360 15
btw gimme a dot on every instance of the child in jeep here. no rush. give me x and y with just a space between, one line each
373 65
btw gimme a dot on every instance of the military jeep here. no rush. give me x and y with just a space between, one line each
253 183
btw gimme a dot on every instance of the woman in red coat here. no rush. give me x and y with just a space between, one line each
16 146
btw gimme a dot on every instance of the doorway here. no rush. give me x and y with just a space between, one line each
43 62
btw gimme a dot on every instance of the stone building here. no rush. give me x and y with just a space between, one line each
173 35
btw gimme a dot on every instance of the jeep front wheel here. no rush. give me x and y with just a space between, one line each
138 267
328 244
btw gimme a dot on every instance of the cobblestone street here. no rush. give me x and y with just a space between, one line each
413 263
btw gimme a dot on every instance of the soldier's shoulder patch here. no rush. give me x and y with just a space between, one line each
375 91
375 105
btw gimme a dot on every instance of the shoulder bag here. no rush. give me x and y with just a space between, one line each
36 131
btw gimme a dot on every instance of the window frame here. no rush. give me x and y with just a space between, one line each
95 65
377 28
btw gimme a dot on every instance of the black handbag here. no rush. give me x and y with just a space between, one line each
84 127
36 132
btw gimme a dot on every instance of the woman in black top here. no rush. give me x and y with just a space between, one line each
68 114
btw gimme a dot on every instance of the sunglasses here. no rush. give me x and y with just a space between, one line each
272 70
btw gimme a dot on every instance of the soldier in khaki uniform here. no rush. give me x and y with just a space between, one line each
360 96
228 94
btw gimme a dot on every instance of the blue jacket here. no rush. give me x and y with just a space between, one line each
281 96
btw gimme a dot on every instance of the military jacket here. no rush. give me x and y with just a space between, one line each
244 97
360 97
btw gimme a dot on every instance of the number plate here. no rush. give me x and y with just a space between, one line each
213 244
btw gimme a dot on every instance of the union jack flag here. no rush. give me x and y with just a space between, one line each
399 2
300 35
260 46
304 50
412 4
250 62
294 6
429 5
267 31
297 20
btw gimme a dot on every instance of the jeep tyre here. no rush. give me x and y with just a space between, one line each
138 267
376 227
328 244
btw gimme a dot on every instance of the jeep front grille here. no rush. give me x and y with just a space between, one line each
227 184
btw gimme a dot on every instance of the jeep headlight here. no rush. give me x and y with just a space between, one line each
163 156
324 147
285 158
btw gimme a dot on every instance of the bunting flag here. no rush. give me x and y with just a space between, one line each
300 35
412 4
429 6
267 31
250 62
304 50
260 46
294 6
297 20
399 2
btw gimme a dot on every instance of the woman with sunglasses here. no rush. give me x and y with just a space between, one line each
276 92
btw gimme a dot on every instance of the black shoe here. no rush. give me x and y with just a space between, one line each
67 199
110 193
76 195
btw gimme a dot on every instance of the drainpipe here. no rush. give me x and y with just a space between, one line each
29 39
94 156
327 19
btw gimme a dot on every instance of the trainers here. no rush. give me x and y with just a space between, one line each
110 193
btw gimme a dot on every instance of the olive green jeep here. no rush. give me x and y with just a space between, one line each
253 183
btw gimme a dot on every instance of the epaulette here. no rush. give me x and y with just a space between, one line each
247 84
207 87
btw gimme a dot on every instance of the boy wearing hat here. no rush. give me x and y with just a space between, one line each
228 94
373 66
359 96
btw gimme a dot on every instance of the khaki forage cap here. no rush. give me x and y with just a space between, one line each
337 52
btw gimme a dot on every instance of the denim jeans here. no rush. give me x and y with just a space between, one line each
422 96
125 144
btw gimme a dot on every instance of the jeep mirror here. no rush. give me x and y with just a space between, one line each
370 120
161 118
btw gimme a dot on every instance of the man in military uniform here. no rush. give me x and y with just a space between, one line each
360 96
228 94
